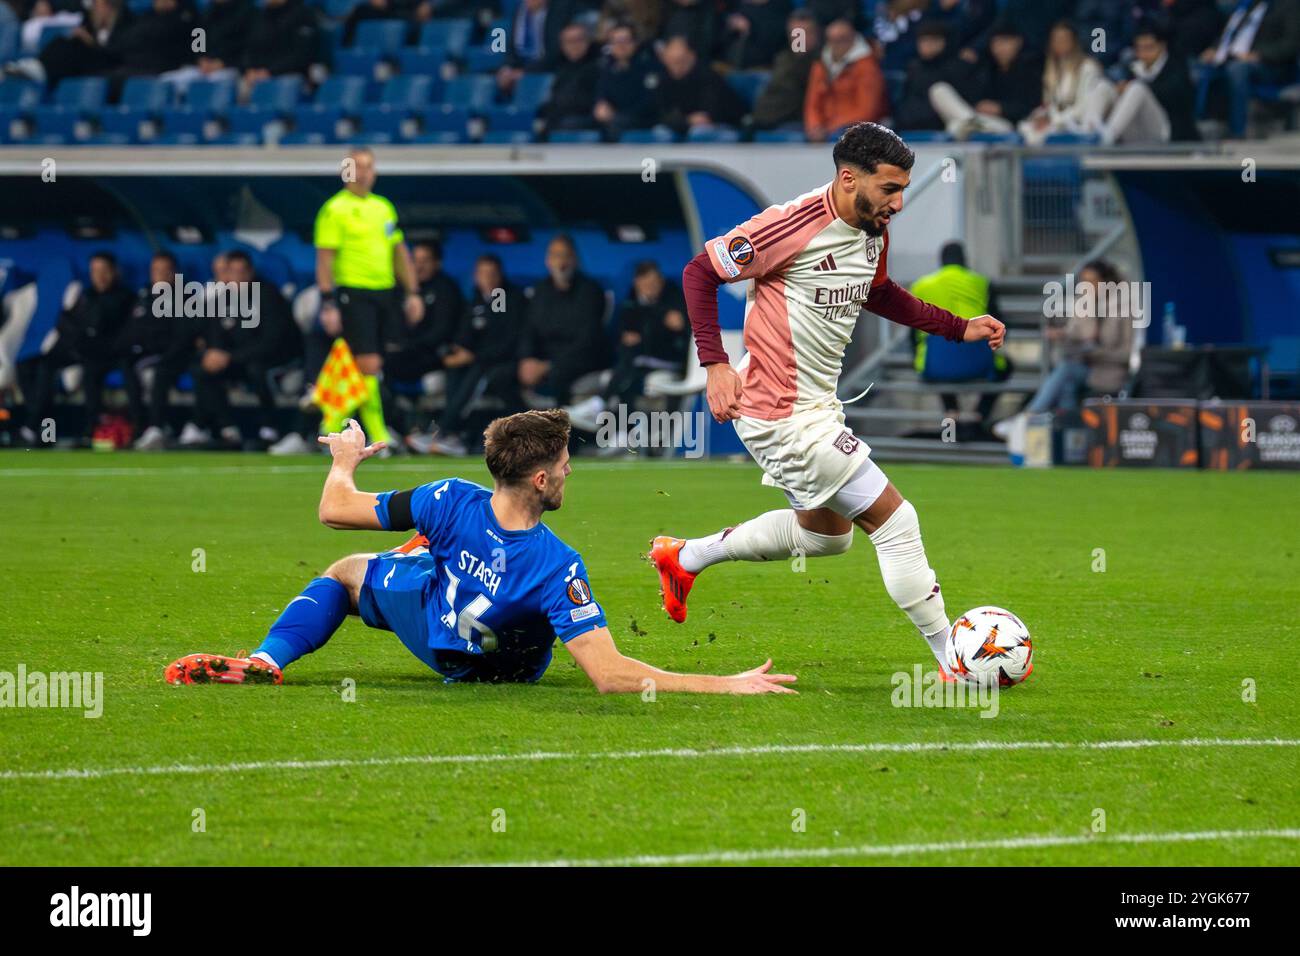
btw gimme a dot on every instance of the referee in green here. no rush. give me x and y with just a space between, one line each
360 256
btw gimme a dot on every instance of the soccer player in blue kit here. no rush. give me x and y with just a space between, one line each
483 591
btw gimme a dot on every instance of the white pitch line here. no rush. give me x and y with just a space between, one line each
908 849
680 753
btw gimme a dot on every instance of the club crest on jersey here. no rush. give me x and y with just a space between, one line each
579 591
846 443
741 251
873 250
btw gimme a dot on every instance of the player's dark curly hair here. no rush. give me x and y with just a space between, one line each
517 446
868 145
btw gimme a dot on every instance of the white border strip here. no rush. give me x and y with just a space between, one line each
677 753
793 854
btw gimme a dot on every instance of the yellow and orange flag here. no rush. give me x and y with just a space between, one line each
340 387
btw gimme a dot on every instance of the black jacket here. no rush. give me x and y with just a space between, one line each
272 339
567 325
96 319
156 42
226 23
1173 89
647 320
443 305
629 89
701 90
913 110
1018 90
283 39
573 93
494 336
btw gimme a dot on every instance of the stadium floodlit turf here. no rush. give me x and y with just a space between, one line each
1184 642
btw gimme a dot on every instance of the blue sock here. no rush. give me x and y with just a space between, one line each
307 622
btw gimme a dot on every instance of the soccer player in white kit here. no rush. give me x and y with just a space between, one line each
812 265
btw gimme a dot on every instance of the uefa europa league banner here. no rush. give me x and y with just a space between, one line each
1239 435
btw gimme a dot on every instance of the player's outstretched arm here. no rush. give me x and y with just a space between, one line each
614 673
341 504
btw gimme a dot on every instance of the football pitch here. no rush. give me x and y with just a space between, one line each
1160 726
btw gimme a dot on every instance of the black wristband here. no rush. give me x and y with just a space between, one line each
327 297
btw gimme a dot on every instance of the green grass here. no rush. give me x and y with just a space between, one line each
1199 593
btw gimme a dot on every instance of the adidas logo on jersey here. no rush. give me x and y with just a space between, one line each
826 265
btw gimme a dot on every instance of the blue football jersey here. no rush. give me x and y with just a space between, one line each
490 589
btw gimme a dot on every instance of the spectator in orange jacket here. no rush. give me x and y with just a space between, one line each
845 86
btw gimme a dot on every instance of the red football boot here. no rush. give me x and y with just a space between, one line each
419 541
674 581
218 669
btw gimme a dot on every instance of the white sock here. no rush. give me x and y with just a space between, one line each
909 579
776 535
263 656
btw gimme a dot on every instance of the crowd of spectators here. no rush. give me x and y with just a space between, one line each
1119 70
504 346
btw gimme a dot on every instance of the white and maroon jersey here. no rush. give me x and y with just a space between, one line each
811 274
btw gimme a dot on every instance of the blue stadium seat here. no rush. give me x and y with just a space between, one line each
407 92
269 100
713 134
17 101
473 93
443 119
447 36
339 9
417 61
501 119
68 117
780 136
532 90
483 59
346 93
365 63
385 36
749 84
213 96
1072 139
145 94
575 136
81 94
657 134
507 137
8 42
1010 139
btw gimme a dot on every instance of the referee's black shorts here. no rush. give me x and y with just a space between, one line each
367 316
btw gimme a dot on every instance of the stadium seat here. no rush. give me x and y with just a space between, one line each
384 36
502 119
135 118
472 93
1072 139
17 101
199 119
68 118
443 119
448 37
780 136
749 84
367 63
407 92
505 136
483 59
713 134
418 61
532 90
270 100
327 119
575 136
339 9
656 134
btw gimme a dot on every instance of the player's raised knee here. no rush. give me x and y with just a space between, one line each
822 545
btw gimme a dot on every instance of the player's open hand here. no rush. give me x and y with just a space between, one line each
986 328
349 446
761 680
723 392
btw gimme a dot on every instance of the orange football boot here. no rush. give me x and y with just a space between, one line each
218 669
674 581
419 541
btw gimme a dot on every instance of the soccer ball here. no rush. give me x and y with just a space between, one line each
989 645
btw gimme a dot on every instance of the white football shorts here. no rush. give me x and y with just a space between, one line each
813 456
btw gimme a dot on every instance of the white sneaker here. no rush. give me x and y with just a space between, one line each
192 435
291 444
152 439
268 434
449 445
1003 428
585 415
231 436
420 442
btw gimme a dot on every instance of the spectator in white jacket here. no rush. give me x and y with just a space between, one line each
1076 94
